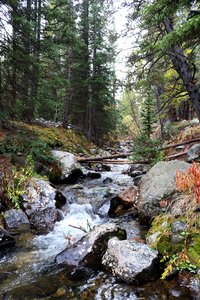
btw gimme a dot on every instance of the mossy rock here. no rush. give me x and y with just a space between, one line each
161 223
164 245
194 250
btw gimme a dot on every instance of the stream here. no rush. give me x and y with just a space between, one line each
29 271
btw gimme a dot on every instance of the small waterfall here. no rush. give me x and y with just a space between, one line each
79 220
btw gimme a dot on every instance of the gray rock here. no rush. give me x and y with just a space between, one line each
157 185
39 195
152 238
137 169
194 152
16 220
195 286
130 261
69 167
89 251
178 228
44 220
194 122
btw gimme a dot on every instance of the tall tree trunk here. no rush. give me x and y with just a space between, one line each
36 57
85 96
1 94
69 90
26 77
183 68
14 16
91 105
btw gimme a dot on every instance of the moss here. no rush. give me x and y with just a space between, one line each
194 250
161 223
164 245
121 234
58 137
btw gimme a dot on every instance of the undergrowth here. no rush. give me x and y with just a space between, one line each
184 254
13 185
147 149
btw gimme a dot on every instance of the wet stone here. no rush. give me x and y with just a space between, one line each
44 220
130 261
89 250
16 219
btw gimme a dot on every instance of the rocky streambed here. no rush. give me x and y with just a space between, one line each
83 240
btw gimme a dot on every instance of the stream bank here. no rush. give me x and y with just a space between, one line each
29 270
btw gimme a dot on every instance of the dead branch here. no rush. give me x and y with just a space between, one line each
79 227
180 144
175 155
119 162
100 158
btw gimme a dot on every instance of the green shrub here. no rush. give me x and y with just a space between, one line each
41 151
147 149
13 186
28 145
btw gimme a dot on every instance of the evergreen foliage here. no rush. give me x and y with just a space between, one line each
166 56
147 118
56 62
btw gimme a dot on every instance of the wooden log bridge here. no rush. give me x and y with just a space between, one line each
109 159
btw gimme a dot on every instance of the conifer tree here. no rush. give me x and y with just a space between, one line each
147 115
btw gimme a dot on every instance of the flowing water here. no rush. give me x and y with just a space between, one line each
29 272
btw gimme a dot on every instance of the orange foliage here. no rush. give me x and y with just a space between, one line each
189 181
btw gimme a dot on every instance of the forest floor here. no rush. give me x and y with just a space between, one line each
16 133
16 136
181 132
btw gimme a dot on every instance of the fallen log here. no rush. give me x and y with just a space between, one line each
125 155
181 143
175 155
119 162
100 158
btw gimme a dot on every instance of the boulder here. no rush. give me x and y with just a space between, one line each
16 220
40 202
157 188
89 251
39 195
137 169
44 220
130 261
193 152
6 240
69 169
121 203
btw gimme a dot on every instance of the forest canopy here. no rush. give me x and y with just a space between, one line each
57 61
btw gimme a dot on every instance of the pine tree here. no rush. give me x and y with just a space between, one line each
147 115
